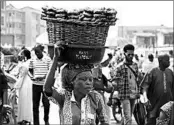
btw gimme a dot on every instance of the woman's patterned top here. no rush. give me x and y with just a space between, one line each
72 113
167 110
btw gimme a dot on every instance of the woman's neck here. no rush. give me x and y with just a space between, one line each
78 96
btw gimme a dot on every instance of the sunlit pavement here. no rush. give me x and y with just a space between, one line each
54 116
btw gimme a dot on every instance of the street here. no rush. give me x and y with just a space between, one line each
54 116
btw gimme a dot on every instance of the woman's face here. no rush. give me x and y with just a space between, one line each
83 82
21 56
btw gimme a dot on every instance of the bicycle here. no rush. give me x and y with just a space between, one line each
115 104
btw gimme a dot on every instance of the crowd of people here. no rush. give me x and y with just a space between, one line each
80 92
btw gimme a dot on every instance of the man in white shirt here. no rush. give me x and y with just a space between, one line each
148 65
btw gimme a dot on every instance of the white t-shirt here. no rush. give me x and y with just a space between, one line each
147 66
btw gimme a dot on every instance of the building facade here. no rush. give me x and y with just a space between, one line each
34 25
147 36
15 24
25 24
3 17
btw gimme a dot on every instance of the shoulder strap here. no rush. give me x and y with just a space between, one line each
132 70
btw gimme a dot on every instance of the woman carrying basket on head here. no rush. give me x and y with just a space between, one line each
79 103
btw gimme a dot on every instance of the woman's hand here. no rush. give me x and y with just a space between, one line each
57 51
57 54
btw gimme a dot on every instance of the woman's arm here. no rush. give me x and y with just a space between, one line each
50 80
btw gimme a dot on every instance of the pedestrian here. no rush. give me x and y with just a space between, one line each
126 74
157 88
147 66
100 80
139 61
39 67
101 83
24 88
12 65
3 92
79 103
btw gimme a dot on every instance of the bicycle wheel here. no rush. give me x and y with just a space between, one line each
117 112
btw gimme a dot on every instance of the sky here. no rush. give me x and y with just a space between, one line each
130 13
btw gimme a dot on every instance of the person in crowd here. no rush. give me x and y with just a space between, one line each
3 92
166 114
79 103
157 88
99 78
24 88
13 64
147 66
39 67
126 74
138 61
101 83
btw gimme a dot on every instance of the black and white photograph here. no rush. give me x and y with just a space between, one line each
86 63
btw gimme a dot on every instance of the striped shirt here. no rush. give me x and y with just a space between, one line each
40 68
2 59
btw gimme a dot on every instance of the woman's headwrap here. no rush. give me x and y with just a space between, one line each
70 71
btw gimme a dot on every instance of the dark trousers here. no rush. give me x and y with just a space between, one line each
1 114
37 91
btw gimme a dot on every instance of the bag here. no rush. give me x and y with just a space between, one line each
139 113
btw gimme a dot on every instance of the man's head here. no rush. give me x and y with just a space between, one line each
129 52
151 57
39 51
164 61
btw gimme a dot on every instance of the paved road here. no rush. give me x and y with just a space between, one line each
54 116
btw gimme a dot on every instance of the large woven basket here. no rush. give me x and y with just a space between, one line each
76 33
79 54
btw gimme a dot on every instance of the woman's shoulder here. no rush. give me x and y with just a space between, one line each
166 108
